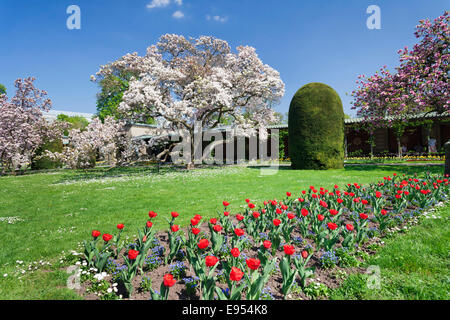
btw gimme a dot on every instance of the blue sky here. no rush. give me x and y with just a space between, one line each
305 40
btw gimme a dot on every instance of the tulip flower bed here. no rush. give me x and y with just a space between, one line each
271 250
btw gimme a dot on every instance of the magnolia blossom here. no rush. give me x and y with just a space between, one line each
22 126
420 84
180 82
109 141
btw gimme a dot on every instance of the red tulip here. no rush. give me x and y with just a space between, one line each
169 281
132 254
194 221
288 194
106 237
320 217
253 263
276 222
211 261
225 204
213 220
236 274
96 233
174 214
323 204
333 212
349 227
217 228
239 217
235 252
363 216
195 231
239 232
332 226
267 244
120 226
152 214
289 250
290 215
304 212
149 224
256 214
204 243
175 228
304 254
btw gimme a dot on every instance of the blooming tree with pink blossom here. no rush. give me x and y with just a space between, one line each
108 140
22 126
420 84
180 82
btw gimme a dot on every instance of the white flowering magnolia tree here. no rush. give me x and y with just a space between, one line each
108 140
22 126
180 82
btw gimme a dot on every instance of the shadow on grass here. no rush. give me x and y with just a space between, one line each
115 172
131 171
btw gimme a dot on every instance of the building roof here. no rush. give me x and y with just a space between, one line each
53 114
429 115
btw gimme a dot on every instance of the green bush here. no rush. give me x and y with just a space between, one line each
316 128
46 162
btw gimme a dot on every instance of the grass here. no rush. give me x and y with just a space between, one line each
414 265
57 210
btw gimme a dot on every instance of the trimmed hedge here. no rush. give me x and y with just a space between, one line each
316 128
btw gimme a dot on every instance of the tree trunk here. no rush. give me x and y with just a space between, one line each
190 165
399 147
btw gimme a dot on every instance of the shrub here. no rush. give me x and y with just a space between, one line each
316 128
39 163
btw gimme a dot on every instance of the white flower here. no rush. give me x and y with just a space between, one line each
5 275
109 290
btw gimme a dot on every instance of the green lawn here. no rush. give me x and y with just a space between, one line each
58 209
414 265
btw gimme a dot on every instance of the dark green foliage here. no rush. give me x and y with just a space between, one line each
2 89
45 162
109 98
447 157
316 128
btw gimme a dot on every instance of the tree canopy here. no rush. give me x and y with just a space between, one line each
420 83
